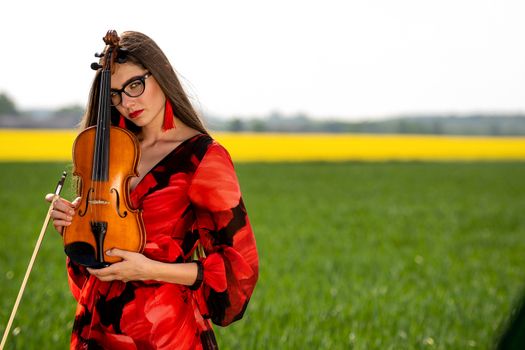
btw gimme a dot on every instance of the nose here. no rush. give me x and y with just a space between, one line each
126 101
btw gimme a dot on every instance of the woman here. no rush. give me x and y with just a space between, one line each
190 198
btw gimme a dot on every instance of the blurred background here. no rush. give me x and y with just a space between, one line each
285 65
380 146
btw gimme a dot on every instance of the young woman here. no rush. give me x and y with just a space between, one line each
189 195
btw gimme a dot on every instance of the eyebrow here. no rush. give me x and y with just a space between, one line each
129 81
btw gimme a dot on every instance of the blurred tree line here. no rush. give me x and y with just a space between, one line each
493 125
62 118
7 106
475 124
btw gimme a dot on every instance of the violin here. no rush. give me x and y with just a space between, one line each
105 157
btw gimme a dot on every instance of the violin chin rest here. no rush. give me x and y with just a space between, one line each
84 254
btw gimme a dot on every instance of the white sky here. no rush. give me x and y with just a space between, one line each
343 59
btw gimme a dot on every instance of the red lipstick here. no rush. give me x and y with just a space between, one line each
135 114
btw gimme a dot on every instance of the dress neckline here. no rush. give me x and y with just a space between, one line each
163 159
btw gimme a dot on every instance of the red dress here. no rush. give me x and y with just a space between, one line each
191 195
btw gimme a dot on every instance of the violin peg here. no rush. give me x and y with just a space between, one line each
99 54
122 55
95 66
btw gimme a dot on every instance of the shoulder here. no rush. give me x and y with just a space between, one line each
205 147
215 183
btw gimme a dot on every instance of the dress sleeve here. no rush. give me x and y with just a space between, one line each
230 268
77 276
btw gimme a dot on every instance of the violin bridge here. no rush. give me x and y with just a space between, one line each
98 201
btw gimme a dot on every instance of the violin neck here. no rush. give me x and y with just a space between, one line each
101 151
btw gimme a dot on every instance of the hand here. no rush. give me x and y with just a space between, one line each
133 267
63 211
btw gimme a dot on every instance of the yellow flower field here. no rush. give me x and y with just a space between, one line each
55 145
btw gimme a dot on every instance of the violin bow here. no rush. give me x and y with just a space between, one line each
32 261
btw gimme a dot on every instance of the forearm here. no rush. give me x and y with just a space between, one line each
137 267
181 273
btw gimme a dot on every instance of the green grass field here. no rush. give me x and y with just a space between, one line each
352 255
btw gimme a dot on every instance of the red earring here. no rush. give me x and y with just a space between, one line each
122 122
168 117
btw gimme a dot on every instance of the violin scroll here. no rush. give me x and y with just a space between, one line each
111 38
108 58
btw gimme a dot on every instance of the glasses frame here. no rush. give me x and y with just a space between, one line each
141 78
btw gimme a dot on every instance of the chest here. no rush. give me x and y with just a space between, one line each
149 158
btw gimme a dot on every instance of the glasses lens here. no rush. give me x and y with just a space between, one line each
135 88
115 98
132 89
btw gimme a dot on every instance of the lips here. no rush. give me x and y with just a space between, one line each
135 114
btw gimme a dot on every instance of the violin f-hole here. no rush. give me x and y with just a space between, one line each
117 203
82 213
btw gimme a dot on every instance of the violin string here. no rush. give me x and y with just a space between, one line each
103 141
99 139
96 159
101 163
102 144
105 130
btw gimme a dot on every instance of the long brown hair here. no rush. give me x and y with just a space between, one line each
143 51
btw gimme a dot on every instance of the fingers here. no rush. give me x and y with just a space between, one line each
76 202
129 269
110 273
64 206
106 274
118 252
62 212
103 272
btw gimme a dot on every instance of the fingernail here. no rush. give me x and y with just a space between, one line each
108 252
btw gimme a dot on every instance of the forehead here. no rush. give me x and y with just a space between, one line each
123 72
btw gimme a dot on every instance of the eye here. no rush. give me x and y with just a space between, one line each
113 94
134 85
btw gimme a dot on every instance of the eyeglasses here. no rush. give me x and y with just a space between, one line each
133 88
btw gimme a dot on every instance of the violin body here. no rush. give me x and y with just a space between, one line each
104 159
104 218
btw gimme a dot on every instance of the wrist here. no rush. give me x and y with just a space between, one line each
155 271
200 276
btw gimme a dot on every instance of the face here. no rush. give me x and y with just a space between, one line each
144 109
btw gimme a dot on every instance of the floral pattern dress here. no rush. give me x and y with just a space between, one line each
190 197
